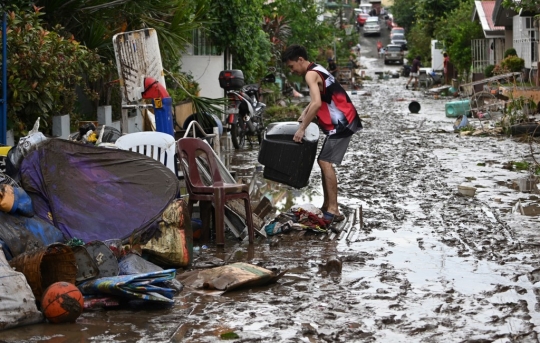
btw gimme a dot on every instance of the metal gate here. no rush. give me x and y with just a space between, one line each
486 52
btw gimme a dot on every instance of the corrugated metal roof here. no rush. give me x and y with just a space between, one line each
489 6
484 12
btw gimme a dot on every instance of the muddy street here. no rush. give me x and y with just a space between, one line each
426 264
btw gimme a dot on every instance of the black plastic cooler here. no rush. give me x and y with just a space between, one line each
284 160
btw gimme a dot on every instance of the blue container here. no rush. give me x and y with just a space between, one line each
164 115
458 108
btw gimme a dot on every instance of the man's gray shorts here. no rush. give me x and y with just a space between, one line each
334 149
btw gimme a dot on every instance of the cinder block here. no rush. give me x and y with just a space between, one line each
104 115
10 139
61 126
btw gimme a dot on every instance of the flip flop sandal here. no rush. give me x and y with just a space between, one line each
333 218
339 218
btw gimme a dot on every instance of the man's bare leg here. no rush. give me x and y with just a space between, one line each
324 206
329 186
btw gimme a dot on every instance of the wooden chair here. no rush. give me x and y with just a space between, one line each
207 187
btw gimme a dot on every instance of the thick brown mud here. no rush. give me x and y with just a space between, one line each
426 264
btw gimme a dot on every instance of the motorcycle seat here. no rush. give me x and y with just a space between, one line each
251 88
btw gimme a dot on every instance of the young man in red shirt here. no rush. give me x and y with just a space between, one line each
337 118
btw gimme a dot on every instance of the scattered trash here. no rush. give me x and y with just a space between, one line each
134 264
18 303
230 277
45 266
461 122
145 286
527 184
19 234
333 265
86 266
466 190
173 247
129 190
100 302
414 107
104 258
455 109
62 302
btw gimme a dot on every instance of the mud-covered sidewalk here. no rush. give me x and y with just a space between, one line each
426 265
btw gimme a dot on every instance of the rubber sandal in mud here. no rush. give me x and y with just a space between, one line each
333 218
339 218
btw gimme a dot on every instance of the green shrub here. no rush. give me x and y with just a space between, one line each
44 70
279 113
488 71
510 52
513 63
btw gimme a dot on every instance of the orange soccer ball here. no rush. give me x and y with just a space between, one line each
62 302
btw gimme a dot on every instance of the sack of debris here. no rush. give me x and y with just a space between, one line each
18 303
172 245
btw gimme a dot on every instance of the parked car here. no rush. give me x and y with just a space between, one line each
399 39
361 18
372 27
393 53
372 19
398 30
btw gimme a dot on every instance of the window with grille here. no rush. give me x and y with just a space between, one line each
202 44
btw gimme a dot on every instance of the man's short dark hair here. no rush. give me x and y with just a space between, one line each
293 52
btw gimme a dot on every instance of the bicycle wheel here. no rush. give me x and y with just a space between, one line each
484 103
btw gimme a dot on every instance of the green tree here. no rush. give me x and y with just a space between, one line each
456 30
527 5
419 44
44 70
95 22
306 29
237 28
403 12
428 13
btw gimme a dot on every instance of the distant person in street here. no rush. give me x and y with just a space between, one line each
332 67
446 61
352 63
379 46
381 52
337 118
415 72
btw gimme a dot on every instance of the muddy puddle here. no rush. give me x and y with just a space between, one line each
427 264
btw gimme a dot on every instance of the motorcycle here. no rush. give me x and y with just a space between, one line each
245 112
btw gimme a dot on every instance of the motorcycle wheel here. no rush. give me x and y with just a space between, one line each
238 136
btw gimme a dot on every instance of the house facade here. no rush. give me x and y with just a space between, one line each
520 32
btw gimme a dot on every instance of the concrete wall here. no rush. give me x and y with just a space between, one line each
205 70
508 39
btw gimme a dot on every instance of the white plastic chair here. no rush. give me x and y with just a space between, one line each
158 145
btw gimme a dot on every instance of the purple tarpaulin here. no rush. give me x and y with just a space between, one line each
94 193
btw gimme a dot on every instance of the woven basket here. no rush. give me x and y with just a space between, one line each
46 266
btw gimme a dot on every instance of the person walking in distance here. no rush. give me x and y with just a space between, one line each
337 118
446 61
415 72
332 67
